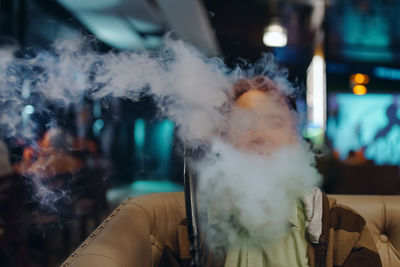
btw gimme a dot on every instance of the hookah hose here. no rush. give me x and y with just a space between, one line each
191 207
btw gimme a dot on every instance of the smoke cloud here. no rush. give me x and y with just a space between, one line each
188 87
246 195
241 191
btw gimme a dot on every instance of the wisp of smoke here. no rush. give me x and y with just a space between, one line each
188 87
241 192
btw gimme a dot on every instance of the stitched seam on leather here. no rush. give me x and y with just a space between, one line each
135 204
144 210
79 250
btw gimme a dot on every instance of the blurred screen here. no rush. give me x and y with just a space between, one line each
369 124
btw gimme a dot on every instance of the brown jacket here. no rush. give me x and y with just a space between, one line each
344 241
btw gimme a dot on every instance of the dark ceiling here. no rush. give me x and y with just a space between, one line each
363 36
358 34
239 27
363 31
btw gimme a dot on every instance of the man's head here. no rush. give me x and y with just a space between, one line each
246 194
262 120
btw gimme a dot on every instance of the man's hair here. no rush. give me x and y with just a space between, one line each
264 84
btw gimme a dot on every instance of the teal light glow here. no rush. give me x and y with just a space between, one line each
29 109
163 138
112 30
366 37
26 89
358 29
368 55
139 133
97 109
161 146
387 73
152 42
155 186
116 195
371 122
98 126
144 26
88 4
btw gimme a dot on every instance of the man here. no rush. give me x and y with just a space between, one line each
322 233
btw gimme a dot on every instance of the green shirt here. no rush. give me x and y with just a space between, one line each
291 251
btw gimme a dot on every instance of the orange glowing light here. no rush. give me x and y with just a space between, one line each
45 141
359 89
28 154
359 78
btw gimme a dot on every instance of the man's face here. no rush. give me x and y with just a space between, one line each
261 122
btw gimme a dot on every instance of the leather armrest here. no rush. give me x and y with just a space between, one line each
111 244
134 234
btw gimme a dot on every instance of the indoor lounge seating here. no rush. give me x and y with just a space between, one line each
136 232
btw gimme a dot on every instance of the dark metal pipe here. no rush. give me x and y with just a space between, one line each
191 207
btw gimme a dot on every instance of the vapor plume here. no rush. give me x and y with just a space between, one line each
241 191
246 195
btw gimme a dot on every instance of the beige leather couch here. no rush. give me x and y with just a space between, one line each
136 232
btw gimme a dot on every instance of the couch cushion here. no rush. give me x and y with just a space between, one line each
382 215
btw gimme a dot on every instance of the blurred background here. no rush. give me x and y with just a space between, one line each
344 54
